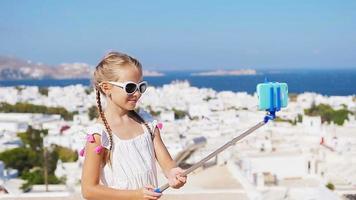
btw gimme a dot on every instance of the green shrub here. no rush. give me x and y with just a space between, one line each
330 186
66 154
93 112
36 176
328 114
31 108
43 91
29 159
179 114
22 159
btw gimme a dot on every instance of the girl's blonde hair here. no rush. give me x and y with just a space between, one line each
108 69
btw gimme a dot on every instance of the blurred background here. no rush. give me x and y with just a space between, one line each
204 58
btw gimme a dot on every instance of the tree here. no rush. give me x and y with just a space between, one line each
330 186
36 176
179 114
22 159
208 98
29 159
93 112
66 154
152 112
33 138
300 118
19 88
89 90
278 119
43 91
328 114
31 108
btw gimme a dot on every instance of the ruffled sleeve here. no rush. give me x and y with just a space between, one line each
104 138
155 124
152 123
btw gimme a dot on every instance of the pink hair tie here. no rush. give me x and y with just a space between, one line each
160 125
90 138
98 149
81 152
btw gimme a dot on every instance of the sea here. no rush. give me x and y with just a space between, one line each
325 82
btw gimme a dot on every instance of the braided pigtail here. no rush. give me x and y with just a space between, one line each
107 157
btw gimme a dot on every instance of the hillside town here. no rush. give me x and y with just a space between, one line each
300 155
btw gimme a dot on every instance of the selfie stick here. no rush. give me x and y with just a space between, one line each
271 115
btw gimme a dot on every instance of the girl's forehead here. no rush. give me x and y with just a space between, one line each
130 74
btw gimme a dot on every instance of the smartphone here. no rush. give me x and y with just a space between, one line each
272 95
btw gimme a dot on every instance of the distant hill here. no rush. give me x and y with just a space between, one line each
227 72
12 68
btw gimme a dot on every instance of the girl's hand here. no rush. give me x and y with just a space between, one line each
175 178
147 193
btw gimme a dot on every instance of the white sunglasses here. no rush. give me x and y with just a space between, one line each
131 87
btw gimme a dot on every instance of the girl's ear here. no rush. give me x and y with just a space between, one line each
106 88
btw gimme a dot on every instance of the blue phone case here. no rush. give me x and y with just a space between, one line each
272 95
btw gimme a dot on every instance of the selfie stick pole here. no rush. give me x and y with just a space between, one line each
271 115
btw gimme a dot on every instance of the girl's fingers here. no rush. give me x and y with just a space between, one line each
177 170
149 187
180 170
177 179
182 178
150 192
150 198
153 194
178 183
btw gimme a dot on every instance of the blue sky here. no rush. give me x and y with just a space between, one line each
167 35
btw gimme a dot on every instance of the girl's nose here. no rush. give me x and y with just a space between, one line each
137 94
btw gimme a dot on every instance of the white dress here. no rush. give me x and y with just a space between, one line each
133 160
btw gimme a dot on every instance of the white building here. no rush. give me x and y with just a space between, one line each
282 165
167 116
291 153
312 125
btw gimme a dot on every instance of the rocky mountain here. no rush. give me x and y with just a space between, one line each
12 68
227 72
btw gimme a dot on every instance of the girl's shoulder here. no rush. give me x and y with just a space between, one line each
90 131
150 121
99 129
95 128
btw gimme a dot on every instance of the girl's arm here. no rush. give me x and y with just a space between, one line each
163 157
91 188
168 165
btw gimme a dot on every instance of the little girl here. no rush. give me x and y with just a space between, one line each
122 148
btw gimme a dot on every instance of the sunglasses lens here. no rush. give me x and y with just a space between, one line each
143 87
130 88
